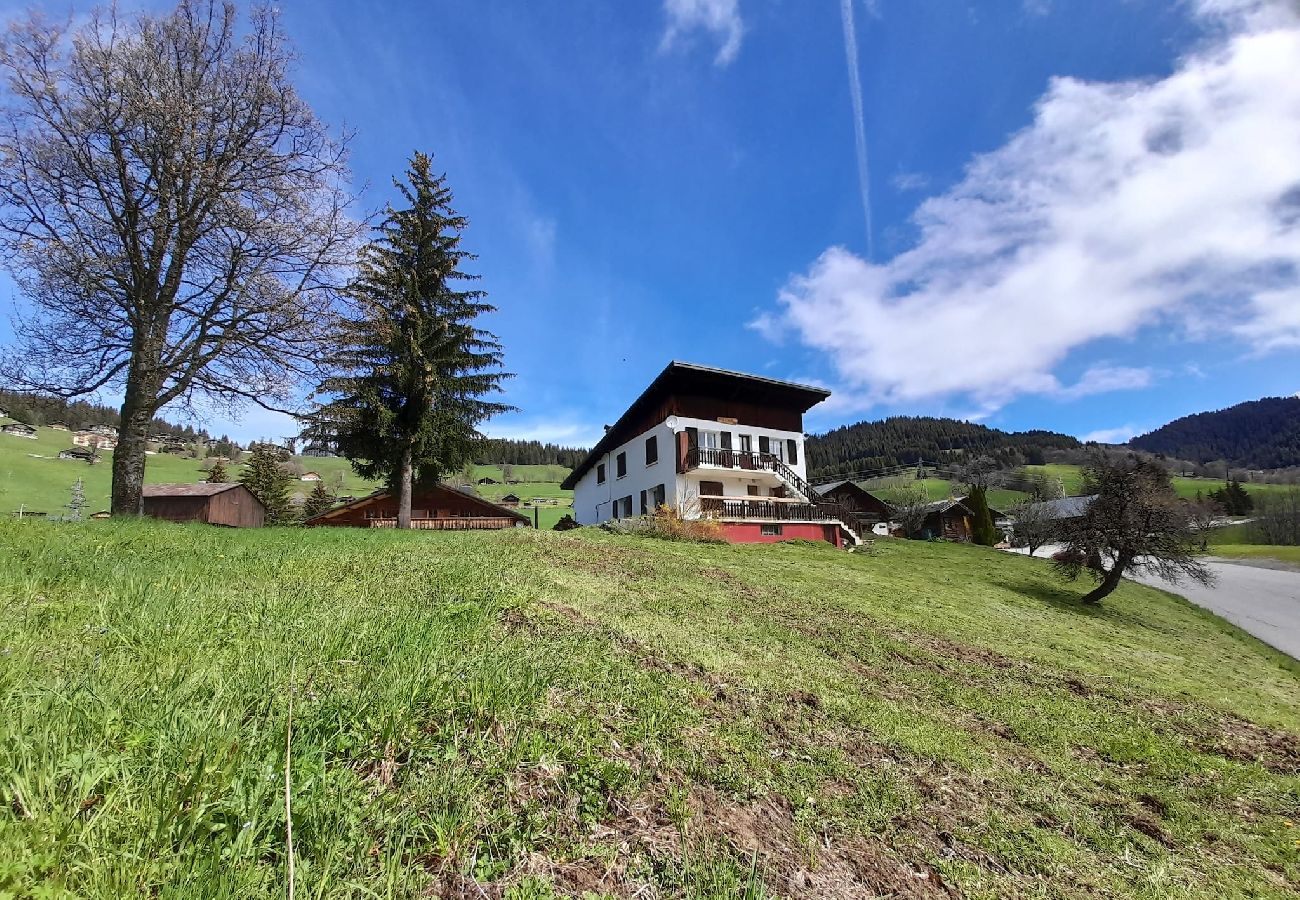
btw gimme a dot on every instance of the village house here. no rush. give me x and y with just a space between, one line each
510 500
439 507
866 507
952 520
309 476
213 504
713 444
84 454
59 426
105 430
94 440
18 429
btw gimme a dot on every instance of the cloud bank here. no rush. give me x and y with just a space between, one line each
720 18
1171 203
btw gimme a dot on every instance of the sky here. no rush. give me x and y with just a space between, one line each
1079 216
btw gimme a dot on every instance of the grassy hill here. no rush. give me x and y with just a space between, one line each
530 715
34 478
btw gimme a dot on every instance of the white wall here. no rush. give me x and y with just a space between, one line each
593 502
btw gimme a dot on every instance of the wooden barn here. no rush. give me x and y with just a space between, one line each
213 504
437 508
867 508
951 520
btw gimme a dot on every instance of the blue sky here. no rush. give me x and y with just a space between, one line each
1084 216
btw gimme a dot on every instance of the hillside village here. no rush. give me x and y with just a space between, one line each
605 547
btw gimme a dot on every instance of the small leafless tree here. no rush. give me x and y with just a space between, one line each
910 504
1034 525
1203 513
1136 523
981 472
174 212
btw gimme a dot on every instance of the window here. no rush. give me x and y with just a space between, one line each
600 473
660 498
620 465
711 440
627 505
710 488
746 444
726 440
643 508
752 490
770 530
792 451
651 450
764 444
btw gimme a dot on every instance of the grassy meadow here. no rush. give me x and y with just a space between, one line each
32 477
527 714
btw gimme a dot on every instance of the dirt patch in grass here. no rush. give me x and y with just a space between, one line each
1230 737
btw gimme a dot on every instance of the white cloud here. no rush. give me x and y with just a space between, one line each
1102 379
721 18
1171 203
911 181
1120 435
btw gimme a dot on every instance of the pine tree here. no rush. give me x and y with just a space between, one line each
77 502
218 474
318 501
982 530
269 482
413 368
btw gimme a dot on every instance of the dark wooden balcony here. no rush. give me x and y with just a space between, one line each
772 510
455 523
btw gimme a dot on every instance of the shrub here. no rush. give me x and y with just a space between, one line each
668 524
566 523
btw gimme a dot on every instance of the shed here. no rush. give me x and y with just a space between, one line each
59 426
486 480
82 453
309 476
866 507
510 500
438 507
213 504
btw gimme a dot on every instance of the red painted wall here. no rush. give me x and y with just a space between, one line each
752 533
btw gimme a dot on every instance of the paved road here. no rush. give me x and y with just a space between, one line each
1263 601
1261 597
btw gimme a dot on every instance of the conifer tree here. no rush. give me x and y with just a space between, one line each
413 367
218 474
266 478
318 501
982 530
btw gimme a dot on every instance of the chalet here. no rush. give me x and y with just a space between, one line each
1064 509
94 440
309 476
952 520
510 500
714 444
175 449
105 430
865 506
18 429
439 507
488 481
84 454
59 426
213 504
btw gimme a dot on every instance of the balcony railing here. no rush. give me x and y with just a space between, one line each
772 510
462 523
748 461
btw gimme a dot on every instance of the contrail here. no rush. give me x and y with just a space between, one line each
859 123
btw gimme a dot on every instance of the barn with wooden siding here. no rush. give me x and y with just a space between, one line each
866 507
440 507
213 504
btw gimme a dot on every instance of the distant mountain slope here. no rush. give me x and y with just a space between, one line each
1258 434
902 440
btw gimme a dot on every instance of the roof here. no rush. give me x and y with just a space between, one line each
679 376
199 489
441 485
1065 507
829 487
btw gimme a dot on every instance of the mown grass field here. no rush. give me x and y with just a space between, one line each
1257 551
1071 478
527 715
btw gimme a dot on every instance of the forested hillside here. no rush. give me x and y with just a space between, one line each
1259 434
35 409
902 440
498 451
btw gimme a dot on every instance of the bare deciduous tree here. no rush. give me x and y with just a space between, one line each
1136 523
1034 525
174 212
910 505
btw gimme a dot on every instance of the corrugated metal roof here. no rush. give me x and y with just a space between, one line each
201 489
1066 507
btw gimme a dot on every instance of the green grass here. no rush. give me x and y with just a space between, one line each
543 714
1257 551
1001 499
1071 478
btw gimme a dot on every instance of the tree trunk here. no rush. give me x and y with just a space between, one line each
129 455
1110 581
404 491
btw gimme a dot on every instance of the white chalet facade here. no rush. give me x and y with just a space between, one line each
711 443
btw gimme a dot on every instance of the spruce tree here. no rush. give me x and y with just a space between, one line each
413 368
982 530
218 474
266 478
318 501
